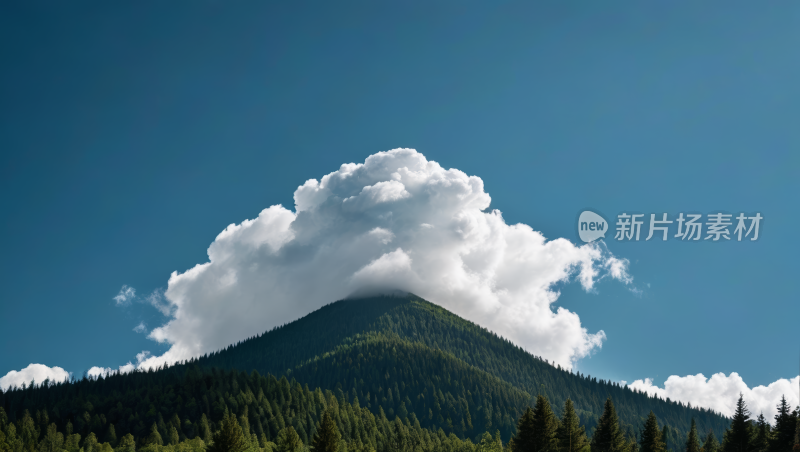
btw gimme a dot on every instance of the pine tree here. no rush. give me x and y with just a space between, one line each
162 427
4 446
665 433
761 441
651 436
545 426
72 442
289 440
13 441
737 437
398 440
711 444
53 441
28 433
785 426
571 435
127 444
525 439
489 444
692 441
173 436
327 436
90 443
607 436
153 438
176 421
797 433
205 430
229 438
111 435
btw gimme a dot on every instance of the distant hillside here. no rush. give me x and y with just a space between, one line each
409 355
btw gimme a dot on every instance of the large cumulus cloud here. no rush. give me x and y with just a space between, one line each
395 222
720 392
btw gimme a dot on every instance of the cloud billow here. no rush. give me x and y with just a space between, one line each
395 222
720 392
34 373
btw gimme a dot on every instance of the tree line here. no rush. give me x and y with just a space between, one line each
336 425
539 430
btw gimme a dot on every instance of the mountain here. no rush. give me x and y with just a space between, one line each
404 353
379 360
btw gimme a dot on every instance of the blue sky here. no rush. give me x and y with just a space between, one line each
132 134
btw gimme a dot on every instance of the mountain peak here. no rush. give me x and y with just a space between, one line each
392 351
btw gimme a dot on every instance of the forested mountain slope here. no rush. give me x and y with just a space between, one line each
321 348
395 357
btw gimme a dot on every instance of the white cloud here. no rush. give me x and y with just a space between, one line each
125 296
156 299
395 222
618 269
34 372
140 328
720 392
96 371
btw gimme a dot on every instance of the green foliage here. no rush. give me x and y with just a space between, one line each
692 441
545 426
111 435
289 441
229 438
783 436
608 437
204 429
154 438
763 434
571 435
12 442
28 433
490 444
710 444
796 447
327 437
525 439
53 441
72 442
90 444
737 438
633 446
651 436
127 444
